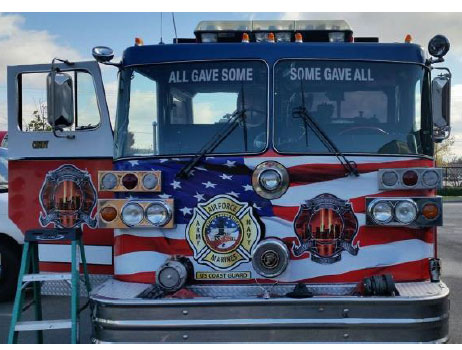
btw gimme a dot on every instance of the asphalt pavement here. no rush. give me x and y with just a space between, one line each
449 247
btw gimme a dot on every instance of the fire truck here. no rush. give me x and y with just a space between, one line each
264 181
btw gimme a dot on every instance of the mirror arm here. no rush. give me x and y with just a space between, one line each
118 65
432 60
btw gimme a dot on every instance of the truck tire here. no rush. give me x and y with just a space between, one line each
9 270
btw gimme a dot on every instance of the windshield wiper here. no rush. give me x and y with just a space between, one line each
230 125
349 166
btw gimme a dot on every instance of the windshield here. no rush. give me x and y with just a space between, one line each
364 107
175 109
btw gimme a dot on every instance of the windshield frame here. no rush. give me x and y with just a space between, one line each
425 106
269 90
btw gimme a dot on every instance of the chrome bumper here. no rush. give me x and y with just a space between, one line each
240 314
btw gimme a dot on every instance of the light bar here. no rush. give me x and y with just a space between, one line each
337 25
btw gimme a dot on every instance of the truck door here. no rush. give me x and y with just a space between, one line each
53 174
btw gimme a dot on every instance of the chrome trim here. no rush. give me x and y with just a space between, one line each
262 191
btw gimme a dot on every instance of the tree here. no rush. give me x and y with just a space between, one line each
39 120
443 151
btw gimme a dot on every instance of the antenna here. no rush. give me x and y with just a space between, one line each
174 27
161 26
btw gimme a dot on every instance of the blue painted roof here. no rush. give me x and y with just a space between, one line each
271 52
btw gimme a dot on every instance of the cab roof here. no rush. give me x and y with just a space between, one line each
271 52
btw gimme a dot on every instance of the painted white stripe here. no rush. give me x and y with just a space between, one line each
174 233
136 262
95 254
252 162
368 257
344 188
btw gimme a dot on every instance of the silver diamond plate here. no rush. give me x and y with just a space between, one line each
420 289
64 287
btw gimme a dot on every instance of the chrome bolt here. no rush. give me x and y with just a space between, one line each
321 309
185 336
345 312
185 312
346 335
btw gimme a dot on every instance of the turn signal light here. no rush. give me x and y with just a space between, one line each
430 211
298 37
108 214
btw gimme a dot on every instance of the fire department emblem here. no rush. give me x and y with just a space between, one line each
222 232
68 198
325 226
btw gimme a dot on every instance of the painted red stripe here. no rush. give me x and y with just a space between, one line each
128 244
406 272
140 277
286 213
312 173
66 267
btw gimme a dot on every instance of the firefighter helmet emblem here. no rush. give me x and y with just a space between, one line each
222 232
325 226
68 198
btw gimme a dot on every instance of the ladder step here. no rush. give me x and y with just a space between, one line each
47 277
42 325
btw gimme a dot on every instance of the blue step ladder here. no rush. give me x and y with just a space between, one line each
30 263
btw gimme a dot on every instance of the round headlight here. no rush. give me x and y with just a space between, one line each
132 214
158 214
389 178
150 181
109 181
406 212
270 179
430 178
382 212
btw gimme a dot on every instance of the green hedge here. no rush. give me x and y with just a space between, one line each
450 191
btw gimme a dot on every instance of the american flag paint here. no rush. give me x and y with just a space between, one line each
403 252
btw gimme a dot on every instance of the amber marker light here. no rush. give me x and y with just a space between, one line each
245 38
430 211
108 214
298 38
408 39
139 42
271 37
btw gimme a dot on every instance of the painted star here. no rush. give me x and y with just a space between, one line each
226 177
186 211
164 196
175 184
230 163
248 188
199 197
234 194
133 162
209 184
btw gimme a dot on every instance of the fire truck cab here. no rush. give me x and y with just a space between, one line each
264 181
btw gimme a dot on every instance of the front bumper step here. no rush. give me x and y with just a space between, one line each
240 314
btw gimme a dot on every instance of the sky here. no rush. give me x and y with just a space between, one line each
27 38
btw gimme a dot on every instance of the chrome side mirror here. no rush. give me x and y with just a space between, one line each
60 100
102 54
441 106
